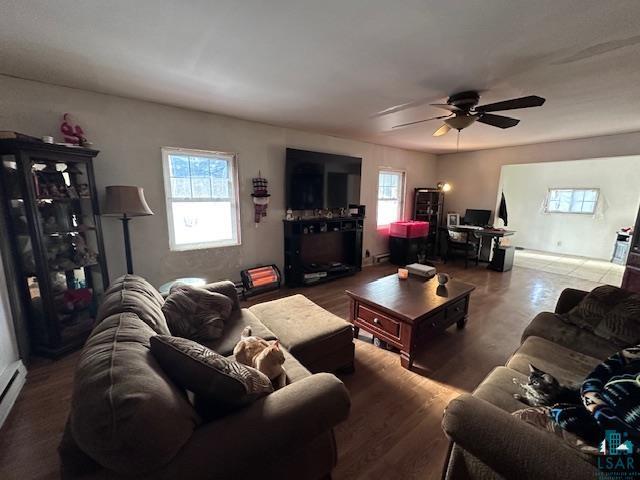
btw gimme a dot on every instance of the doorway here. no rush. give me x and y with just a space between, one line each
573 217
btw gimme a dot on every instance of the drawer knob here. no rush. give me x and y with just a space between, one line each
376 321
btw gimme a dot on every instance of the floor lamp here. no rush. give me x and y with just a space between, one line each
126 202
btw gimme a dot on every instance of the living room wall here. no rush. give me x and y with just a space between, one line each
129 134
474 176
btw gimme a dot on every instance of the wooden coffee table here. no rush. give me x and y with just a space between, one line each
405 313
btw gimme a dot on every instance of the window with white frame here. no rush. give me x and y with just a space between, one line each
572 200
390 196
201 188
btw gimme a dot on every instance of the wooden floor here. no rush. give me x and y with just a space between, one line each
394 427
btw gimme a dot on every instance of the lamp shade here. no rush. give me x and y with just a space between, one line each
124 200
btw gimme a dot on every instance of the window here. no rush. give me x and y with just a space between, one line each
202 198
572 200
390 196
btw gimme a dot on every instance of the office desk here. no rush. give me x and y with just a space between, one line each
495 234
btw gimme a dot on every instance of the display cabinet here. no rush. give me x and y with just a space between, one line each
427 207
52 246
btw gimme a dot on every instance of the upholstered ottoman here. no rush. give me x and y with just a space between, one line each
320 340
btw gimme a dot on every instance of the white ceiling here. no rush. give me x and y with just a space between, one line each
328 65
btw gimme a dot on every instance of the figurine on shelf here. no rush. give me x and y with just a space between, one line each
289 215
83 190
73 300
83 254
53 191
65 263
71 192
58 283
50 225
73 133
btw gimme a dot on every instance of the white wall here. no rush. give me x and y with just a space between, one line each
129 134
474 176
525 188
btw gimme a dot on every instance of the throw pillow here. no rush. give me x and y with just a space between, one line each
216 380
196 313
610 313
541 418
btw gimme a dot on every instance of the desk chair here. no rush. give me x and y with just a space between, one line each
465 242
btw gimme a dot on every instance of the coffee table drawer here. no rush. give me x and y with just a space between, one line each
457 310
433 323
378 321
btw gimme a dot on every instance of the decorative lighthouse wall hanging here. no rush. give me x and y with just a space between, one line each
260 197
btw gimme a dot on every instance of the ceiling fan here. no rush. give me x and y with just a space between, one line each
464 112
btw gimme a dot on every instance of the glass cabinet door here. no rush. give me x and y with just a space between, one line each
66 218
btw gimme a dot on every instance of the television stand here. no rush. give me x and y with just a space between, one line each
318 250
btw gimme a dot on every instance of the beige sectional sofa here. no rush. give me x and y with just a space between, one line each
128 419
488 442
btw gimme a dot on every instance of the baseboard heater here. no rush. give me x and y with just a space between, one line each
11 382
8 386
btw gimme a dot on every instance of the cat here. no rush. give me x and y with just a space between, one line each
544 389
263 356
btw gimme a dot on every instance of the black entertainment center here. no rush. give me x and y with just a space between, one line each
328 244
317 250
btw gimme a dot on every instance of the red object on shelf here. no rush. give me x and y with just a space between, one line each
410 229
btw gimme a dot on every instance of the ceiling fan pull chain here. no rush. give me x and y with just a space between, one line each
458 142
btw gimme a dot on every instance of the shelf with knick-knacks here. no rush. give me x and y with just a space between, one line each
55 247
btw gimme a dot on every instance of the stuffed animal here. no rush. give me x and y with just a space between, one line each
263 356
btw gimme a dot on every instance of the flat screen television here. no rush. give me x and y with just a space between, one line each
321 180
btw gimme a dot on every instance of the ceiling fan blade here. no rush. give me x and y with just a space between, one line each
401 107
446 106
442 130
499 121
514 103
421 121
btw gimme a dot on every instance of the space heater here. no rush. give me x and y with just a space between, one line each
260 279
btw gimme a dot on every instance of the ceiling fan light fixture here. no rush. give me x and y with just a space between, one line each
461 121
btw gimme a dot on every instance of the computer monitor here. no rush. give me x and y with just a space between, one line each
479 218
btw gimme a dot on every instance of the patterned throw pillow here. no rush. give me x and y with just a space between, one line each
222 383
610 313
196 313
542 418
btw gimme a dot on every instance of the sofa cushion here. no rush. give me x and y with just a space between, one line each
220 381
499 387
610 313
307 330
125 411
233 328
551 327
134 294
567 366
196 313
